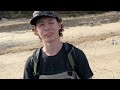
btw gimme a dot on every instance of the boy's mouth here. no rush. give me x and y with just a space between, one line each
49 34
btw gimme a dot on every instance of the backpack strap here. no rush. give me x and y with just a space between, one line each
36 60
69 48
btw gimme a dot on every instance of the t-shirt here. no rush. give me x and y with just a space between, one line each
59 63
53 64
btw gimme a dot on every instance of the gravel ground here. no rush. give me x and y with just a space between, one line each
100 43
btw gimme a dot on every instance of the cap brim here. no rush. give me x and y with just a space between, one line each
34 19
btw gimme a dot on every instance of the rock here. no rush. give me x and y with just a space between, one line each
113 42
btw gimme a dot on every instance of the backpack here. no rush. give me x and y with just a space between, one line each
70 52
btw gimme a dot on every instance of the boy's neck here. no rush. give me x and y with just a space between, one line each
53 48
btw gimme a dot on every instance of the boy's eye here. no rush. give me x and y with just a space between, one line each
41 24
51 22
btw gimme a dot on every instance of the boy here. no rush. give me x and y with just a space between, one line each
51 61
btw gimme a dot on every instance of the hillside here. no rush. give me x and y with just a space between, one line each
100 42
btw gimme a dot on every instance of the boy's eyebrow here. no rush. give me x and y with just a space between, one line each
40 21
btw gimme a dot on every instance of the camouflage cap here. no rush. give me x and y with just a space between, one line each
39 14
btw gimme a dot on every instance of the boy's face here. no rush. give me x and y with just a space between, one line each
48 29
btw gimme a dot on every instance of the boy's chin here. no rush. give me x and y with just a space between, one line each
49 40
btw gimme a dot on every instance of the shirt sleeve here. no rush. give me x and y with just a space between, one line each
28 69
83 68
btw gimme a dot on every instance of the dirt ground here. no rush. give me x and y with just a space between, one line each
101 45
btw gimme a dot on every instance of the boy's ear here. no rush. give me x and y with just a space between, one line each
60 25
34 30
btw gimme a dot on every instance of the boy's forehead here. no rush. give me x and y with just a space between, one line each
45 19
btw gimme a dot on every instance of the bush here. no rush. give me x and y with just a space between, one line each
28 14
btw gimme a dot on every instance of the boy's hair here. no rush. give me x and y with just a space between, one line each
61 30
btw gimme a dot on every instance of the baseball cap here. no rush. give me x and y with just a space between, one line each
39 14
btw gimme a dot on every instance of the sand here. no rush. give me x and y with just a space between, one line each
101 44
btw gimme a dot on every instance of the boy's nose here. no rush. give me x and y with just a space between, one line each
47 27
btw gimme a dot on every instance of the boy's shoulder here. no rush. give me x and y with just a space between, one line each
34 57
75 47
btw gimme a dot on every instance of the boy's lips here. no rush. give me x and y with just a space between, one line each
48 34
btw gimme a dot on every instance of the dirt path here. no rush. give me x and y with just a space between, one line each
12 65
13 41
101 44
104 57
